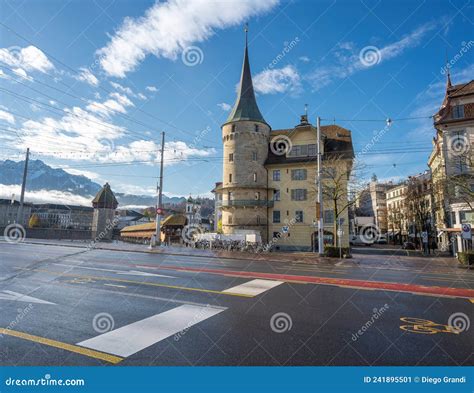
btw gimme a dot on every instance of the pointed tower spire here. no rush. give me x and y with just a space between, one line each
245 107
448 73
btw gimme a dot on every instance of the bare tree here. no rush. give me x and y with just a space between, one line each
341 177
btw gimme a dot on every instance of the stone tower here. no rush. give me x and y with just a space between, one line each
103 220
245 136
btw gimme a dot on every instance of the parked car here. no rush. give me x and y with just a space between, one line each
409 246
358 240
382 239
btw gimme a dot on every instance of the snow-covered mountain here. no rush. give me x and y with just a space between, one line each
43 177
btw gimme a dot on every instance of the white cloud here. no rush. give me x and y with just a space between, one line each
305 59
349 60
141 96
121 88
21 72
29 58
168 28
278 80
7 116
44 196
85 75
117 103
153 89
224 106
80 172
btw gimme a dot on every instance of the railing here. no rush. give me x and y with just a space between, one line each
244 203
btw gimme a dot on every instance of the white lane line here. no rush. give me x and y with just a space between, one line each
254 287
129 272
19 297
137 336
115 285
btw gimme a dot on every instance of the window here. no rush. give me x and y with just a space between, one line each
254 156
229 220
466 217
276 195
258 220
298 174
230 177
328 216
256 127
276 216
231 157
255 176
299 216
458 112
276 175
230 196
233 128
298 151
298 194
312 150
453 218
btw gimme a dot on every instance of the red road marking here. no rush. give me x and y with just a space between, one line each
381 285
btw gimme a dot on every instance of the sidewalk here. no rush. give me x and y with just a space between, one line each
393 258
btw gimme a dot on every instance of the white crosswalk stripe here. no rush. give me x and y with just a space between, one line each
137 336
254 287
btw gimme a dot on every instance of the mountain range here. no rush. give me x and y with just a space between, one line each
43 177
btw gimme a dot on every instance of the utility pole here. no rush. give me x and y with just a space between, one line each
320 189
19 217
159 210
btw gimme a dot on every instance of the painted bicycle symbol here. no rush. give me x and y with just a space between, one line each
423 326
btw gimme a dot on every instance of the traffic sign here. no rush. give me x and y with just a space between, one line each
466 231
159 211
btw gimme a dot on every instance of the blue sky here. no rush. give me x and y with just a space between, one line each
89 85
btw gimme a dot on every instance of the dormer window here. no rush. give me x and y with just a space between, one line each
458 112
256 127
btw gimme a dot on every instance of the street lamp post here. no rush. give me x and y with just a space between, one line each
320 188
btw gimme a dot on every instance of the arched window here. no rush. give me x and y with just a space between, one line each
233 128
255 176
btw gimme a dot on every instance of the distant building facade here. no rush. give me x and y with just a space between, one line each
372 202
452 165
9 212
59 216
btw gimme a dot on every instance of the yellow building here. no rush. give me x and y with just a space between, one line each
451 162
269 176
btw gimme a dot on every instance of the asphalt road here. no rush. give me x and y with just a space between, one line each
71 306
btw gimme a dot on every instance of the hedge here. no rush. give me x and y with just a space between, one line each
335 252
466 258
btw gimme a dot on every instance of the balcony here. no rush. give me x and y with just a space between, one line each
245 203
